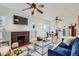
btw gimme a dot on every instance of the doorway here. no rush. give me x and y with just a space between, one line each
72 29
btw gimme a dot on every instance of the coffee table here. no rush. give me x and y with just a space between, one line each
38 47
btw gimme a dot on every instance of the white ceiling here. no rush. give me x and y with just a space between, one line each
51 10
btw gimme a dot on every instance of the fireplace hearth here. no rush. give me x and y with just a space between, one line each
21 37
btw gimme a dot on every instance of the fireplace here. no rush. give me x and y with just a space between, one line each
21 37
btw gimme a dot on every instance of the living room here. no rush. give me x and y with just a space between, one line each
24 32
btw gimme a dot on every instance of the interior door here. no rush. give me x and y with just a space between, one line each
73 30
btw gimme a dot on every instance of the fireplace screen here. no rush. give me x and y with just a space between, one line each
21 39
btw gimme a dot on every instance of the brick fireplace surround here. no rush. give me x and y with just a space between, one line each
21 37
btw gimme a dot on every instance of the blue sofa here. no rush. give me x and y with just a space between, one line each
63 50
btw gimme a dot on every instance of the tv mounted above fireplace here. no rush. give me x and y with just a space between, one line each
20 20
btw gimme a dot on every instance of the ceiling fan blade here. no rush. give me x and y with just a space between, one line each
39 11
60 20
29 4
33 11
40 5
26 9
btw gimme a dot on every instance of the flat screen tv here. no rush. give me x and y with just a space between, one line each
20 20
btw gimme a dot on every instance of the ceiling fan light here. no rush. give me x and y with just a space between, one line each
33 9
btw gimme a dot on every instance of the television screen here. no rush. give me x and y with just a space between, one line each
20 20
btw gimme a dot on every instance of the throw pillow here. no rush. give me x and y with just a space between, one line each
68 40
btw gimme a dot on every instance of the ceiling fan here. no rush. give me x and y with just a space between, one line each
34 8
57 19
